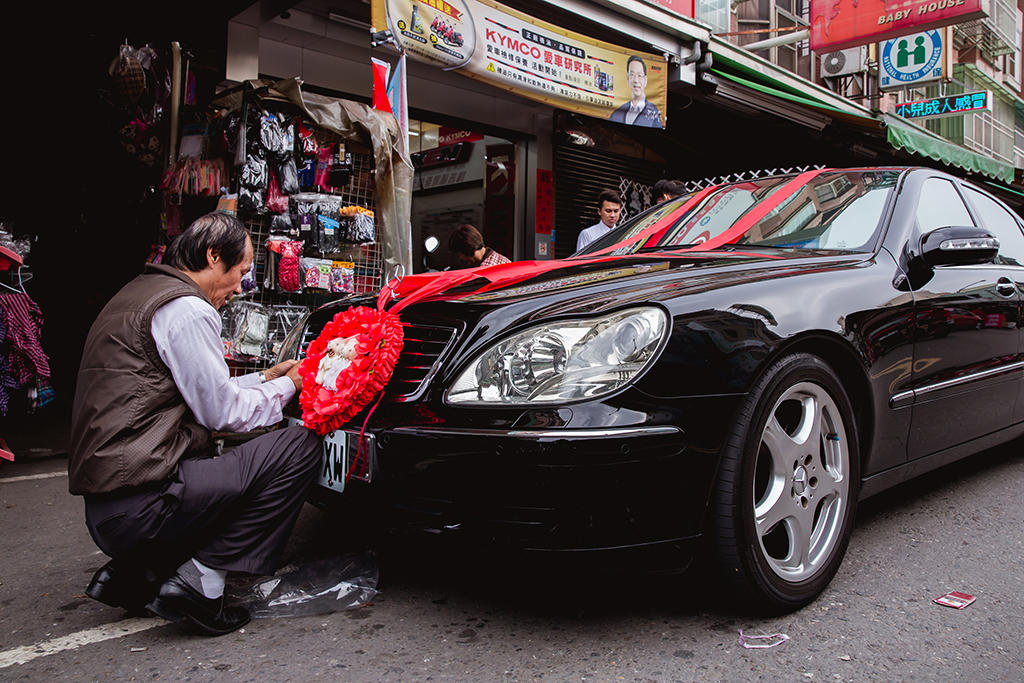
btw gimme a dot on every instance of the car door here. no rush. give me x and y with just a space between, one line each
966 370
1006 226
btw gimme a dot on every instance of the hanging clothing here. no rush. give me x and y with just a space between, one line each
24 322
7 382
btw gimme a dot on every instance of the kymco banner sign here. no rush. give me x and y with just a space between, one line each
838 24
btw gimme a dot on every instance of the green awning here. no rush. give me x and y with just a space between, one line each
775 92
899 132
904 135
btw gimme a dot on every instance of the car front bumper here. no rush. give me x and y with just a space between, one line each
613 491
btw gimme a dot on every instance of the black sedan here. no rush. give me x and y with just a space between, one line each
731 370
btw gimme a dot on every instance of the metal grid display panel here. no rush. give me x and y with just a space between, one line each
368 259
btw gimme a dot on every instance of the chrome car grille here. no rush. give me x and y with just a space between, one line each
421 351
418 361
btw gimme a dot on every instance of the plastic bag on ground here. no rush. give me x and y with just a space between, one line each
321 586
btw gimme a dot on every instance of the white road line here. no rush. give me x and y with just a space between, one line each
28 477
119 629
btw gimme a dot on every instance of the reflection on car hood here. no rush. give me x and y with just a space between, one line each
693 271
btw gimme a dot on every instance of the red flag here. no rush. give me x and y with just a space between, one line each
380 84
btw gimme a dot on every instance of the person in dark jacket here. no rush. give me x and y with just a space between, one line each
152 385
638 111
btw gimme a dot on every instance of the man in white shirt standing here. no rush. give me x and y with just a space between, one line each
152 386
609 204
638 111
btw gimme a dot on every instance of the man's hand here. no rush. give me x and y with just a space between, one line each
289 369
293 374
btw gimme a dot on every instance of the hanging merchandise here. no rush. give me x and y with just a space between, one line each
304 208
249 279
195 177
356 225
277 138
25 365
140 88
128 76
244 328
286 169
306 173
323 167
156 253
228 203
342 277
284 224
327 229
276 201
288 265
341 167
316 273
253 183
141 140
307 142
271 135
289 176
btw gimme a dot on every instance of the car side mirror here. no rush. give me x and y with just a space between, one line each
958 245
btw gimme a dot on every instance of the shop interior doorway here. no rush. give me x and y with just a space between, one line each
462 176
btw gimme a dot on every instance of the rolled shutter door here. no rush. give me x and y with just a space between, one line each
580 175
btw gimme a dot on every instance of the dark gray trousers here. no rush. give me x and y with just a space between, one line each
233 512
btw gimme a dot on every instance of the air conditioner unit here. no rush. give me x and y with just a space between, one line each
844 62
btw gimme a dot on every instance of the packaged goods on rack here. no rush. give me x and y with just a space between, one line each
316 273
342 277
287 266
308 182
356 225
244 327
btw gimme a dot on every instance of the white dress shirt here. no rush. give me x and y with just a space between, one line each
634 110
592 233
187 335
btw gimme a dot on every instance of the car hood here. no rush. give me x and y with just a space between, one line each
617 280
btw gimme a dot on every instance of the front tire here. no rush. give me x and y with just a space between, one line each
786 491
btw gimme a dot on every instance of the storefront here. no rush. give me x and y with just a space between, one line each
505 153
496 146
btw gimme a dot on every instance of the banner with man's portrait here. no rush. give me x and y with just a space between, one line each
485 40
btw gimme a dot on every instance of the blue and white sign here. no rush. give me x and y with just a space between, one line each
908 61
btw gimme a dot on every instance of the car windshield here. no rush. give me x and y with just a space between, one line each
832 210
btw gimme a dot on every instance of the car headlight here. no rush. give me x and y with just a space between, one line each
568 360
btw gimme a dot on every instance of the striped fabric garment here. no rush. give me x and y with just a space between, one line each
24 322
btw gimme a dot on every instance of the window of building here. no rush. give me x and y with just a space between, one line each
1011 62
777 18
714 13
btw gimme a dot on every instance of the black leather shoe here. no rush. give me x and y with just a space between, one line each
117 585
178 601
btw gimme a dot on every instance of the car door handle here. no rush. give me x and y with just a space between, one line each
1006 287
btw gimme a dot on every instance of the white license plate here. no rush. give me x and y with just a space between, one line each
340 447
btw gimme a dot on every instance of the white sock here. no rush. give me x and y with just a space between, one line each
210 581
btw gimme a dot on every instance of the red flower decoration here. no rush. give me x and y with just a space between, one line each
378 341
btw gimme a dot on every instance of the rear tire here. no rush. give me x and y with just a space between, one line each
786 492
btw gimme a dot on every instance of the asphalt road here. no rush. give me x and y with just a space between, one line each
453 616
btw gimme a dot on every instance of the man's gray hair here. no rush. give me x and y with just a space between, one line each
219 231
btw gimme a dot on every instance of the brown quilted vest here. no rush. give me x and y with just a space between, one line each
129 423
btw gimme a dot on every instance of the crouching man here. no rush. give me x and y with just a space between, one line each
152 384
